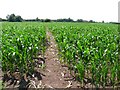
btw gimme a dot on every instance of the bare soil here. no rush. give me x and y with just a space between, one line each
56 76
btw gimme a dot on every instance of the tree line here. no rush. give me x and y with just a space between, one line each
18 18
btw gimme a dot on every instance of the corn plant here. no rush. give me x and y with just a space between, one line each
91 48
20 43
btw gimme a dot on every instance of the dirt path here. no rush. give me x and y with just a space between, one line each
55 74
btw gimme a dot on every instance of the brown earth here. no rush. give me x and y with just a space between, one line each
56 76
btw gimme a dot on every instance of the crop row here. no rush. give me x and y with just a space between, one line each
20 43
91 50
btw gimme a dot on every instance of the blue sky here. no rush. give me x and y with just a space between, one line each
97 10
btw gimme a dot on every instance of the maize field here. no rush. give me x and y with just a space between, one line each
91 50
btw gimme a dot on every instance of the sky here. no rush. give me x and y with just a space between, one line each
97 10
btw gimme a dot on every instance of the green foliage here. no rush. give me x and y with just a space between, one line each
13 18
20 43
47 20
0 19
91 49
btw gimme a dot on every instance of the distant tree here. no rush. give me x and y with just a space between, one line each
42 20
47 20
0 19
59 20
102 21
18 19
4 20
70 20
64 20
91 21
37 19
13 18
80 20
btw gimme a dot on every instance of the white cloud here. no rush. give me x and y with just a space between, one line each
83 9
